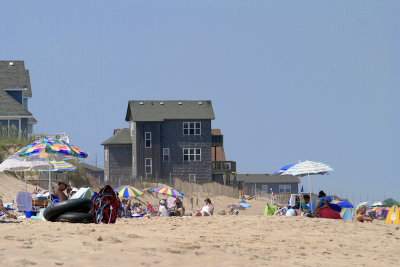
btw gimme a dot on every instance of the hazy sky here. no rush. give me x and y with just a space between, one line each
289 80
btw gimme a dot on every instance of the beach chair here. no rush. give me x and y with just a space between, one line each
24 201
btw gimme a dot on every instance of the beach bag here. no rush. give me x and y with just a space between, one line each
105 206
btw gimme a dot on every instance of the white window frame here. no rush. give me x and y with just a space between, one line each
166 153
131 127
285 189
147 139
106 154
191 125
192 177
146 165
192 152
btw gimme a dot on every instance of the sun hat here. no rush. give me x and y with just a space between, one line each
74 189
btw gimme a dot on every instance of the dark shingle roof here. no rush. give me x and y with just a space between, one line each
120 138
90 167
158 110
10 107
15 76
267 178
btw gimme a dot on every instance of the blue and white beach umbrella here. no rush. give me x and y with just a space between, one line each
307 168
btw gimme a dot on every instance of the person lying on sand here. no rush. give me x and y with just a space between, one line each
206 210
60 191
5 211
360 214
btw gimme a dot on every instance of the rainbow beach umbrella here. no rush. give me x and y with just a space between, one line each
49 148
57 166
128 191
167 190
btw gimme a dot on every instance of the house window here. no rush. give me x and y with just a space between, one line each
131 127
264 188
192 177
191 154
147 162
191 128
165 154
147 139
285 188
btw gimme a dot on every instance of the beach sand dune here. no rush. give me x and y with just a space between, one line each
206 241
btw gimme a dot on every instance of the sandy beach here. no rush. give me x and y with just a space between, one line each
207 241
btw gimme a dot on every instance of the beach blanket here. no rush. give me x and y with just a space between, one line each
105 206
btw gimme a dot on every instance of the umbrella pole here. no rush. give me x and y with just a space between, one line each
26 191
50 183
309 186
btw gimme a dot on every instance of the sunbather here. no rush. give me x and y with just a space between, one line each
5 211
360 214
206 210
60 191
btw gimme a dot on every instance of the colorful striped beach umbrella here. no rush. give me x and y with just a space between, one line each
307 168
167 190
128 191
49 148
57 166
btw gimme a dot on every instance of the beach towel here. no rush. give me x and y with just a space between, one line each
329 213
106 206
83 192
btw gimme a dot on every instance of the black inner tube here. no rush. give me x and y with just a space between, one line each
73 205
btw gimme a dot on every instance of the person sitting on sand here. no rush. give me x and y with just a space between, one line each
5 211
128 208
60 191
360 214
206 210
179 208
321 208
162 209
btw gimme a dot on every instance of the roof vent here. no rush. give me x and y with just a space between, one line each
11 63
179 103
200 103
161 103
141 103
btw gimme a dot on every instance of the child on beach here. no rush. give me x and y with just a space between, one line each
360 214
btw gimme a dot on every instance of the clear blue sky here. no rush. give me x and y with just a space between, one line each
289 80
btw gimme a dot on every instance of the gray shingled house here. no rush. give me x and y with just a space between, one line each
280 184
164 139
15 91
